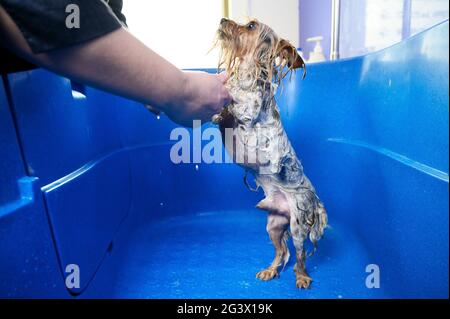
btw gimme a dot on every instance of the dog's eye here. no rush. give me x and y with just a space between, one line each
251 26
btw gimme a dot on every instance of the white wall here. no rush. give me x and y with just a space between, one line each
179 30
182 31
281 15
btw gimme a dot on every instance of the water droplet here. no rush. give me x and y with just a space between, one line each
158 117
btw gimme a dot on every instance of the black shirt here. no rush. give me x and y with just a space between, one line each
43 23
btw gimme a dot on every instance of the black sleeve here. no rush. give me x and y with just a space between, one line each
43 22
116 6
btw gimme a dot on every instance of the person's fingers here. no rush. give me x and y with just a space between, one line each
226 97
227 100
223 77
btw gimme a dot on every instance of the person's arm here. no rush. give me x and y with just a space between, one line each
120 63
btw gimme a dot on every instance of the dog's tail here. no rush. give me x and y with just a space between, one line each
287 254
320 222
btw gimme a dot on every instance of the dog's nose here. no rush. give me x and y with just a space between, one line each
223 21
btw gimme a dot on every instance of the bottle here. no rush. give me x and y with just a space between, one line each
317 54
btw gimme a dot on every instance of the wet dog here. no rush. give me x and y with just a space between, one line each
256 61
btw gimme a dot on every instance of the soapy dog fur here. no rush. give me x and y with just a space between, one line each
256 61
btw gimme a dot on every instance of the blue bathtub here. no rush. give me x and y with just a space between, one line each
86 180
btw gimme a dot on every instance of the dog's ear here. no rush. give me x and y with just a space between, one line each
288 53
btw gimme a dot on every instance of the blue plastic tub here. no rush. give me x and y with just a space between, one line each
86 179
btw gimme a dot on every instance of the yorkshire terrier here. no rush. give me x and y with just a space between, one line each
256 61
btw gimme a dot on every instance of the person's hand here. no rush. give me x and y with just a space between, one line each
205 95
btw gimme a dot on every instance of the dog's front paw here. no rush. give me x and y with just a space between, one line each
303 281
267 274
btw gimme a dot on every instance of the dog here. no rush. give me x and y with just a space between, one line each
256 61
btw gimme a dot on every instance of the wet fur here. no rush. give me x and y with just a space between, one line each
256 61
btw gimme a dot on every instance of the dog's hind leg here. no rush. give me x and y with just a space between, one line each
277 227
298 236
